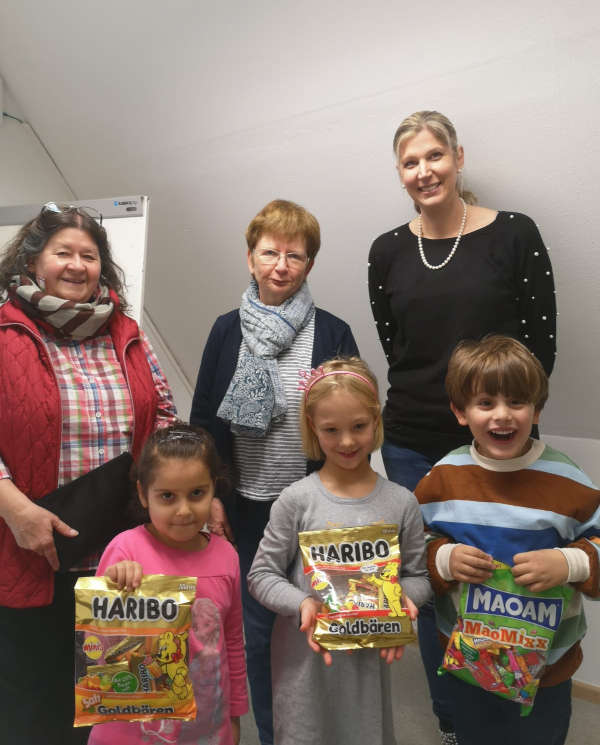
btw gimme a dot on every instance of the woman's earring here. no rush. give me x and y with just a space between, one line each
403 185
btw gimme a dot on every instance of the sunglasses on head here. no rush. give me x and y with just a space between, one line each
89 211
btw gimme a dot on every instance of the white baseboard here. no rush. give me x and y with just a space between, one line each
586 691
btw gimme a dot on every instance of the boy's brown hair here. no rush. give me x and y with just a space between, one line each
497 365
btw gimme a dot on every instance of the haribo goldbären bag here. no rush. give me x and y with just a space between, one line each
131 650
355 572
502 635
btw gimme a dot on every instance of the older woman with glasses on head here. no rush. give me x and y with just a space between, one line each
247 396
79 386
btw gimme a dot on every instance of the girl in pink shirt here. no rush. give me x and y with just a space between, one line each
177 472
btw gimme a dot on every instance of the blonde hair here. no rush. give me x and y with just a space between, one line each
366 391
495 365
286 220
441 128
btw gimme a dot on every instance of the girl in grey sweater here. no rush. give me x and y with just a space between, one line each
347 699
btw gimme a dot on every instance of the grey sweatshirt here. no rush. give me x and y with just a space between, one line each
351 701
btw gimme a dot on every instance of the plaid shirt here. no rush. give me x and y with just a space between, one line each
97 414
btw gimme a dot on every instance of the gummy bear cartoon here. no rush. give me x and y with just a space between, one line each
388 581
171 657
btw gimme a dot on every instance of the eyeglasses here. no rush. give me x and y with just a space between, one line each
89 211
270 257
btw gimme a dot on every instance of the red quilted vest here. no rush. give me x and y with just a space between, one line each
30 433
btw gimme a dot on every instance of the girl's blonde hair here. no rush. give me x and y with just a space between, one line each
366 391
441 128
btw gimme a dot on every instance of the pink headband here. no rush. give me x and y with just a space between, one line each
308 379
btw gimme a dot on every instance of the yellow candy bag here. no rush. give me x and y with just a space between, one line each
131 650
355 572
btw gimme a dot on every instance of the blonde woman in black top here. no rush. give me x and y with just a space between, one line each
456 271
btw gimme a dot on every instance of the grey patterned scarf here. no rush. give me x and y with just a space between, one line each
255 396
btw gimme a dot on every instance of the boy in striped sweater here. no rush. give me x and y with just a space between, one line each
511 498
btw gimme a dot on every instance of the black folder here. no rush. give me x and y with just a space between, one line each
96 504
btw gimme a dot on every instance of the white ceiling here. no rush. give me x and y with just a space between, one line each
118 89
215 108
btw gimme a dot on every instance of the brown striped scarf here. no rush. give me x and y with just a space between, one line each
65 318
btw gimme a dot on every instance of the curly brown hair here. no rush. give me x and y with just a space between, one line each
33 236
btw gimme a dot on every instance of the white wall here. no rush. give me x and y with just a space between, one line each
181 388
27 174
214 109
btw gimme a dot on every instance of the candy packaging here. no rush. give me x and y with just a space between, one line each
503 634
355 573
131 650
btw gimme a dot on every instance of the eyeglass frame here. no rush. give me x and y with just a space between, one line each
53 207
285 255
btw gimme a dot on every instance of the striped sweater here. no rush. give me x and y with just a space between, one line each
540 500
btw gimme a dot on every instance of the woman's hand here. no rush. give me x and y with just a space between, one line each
218 522
391 654
125 574
470 564
308 618
32 526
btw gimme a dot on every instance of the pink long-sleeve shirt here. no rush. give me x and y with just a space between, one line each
217 665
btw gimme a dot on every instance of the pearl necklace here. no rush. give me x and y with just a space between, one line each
454 247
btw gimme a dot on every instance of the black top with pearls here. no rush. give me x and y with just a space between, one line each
499 281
